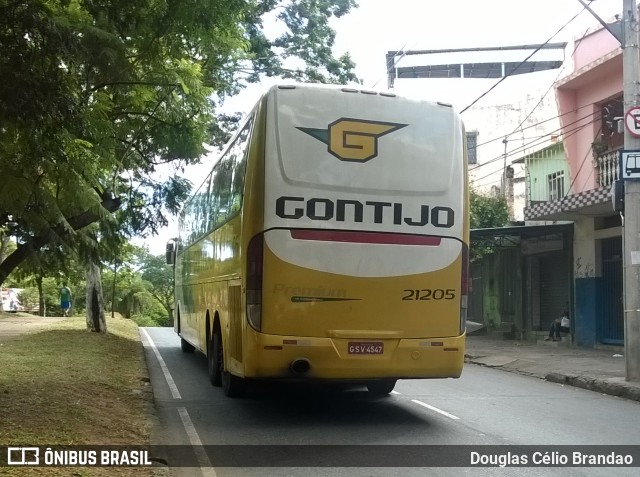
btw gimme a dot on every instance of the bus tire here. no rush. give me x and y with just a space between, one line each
186 347
233 386
215 360
382 387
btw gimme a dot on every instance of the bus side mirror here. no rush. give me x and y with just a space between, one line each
171 252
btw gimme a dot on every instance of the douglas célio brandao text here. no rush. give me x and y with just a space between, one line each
550 458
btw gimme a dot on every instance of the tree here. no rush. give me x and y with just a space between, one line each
96 95
159 277
303 51
95 308
486 212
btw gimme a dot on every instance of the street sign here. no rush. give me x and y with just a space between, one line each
632 121
629 164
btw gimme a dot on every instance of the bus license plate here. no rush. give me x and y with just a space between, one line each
361 347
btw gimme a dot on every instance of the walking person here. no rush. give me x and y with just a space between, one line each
65 299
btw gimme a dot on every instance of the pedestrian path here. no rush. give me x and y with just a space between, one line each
601 370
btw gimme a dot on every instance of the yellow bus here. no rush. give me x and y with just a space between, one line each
329 243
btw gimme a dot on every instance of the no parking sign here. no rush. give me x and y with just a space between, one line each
632 121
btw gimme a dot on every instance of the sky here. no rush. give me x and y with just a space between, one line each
379 26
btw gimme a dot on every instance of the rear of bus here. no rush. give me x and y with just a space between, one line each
359 271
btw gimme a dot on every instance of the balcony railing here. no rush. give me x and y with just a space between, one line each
607 168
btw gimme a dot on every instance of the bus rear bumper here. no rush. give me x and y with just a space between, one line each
283 357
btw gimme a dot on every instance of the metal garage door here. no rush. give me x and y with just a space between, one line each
611 320
554 287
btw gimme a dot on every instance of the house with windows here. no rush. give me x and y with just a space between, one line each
547 174
569 253
578 188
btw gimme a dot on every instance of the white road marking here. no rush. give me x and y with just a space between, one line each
203 459
439 411
395 392
165 370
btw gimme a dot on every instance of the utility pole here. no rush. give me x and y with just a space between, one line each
503 184
631 239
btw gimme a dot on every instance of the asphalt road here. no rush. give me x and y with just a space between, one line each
485 407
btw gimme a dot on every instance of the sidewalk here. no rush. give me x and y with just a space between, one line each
600 370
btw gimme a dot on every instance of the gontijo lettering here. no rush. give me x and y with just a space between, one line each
341 210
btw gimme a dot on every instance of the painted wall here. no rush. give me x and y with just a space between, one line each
585 263
518 120
586 284
491 285
494 268
597 77
593 47
539 165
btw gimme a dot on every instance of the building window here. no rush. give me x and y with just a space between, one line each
556 185
472 146
611 113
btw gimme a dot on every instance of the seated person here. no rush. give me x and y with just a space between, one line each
559 325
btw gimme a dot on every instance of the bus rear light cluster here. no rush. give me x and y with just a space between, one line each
254 282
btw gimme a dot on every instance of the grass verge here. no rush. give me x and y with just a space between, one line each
67 386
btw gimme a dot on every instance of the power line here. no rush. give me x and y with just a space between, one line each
538 104
500 138
536 142
569 134
580 168
523 61
577 45
521 150
403 52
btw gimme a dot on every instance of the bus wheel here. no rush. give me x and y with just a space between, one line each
215 360
233 386
382 387
185 346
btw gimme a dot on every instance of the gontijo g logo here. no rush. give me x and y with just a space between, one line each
354 140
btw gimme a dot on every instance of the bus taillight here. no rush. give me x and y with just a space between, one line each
464 287
254 282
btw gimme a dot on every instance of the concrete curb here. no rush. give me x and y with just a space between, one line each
611 386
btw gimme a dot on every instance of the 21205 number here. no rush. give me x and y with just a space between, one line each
429 294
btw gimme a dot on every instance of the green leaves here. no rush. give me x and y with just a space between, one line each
96 95
486 212
303 51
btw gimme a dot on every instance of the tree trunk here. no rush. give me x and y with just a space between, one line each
95 303
41 309
113 290
4 245
170 310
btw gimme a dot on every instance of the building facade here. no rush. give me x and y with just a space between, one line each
569 253
589 107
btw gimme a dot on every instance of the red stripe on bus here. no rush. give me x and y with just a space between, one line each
364 237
